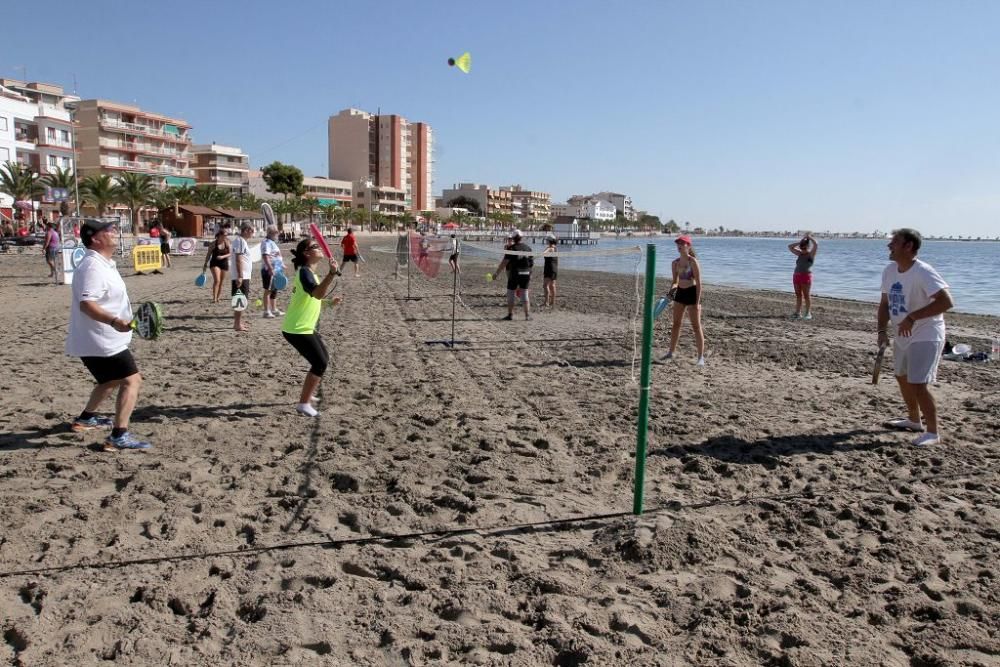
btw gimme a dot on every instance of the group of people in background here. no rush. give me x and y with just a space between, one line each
914 298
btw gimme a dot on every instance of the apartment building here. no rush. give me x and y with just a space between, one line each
225 167
115 138
529 205
326 190
388 150
492 202
35 130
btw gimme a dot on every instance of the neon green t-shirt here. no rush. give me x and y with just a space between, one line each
303 309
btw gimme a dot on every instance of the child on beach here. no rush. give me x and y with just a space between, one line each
299 326
805 255
686 287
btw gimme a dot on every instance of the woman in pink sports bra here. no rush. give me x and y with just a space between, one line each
686 290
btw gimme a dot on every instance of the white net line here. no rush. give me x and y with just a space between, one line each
519 343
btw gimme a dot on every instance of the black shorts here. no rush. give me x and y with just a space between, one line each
687 296
518 280
453 258
312 348
221 264
241 286
350 258
549 273
164 248
109 369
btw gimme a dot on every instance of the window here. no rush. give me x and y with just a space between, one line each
4 152
50 133
53 162
3 124
67 163
64 135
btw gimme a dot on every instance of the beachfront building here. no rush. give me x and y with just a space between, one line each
224 167
491 202
114 138
35 132
530 206
325 190
388 150
372 198
622 203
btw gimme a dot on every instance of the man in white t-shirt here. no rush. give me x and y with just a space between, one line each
100 332
914 299
241 268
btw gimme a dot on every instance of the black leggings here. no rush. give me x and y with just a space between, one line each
312 348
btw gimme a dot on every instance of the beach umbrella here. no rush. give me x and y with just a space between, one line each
449 225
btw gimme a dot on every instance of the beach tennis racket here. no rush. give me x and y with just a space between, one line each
268 213
878 363
318 236
200 280
279 281
148 320
239 302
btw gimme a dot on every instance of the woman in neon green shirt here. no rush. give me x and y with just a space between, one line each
299 326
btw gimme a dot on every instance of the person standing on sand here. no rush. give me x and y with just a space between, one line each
686 287
99 334
304 308
550 271
165 245
217 259
518 275
453 257
270 253
914 299
350 245
241 268
805 255
51 249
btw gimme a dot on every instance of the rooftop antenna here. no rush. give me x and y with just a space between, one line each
75 93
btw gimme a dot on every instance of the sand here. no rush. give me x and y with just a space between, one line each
785 525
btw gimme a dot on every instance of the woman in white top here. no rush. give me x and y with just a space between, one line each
270 253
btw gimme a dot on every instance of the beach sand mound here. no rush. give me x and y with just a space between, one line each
472 505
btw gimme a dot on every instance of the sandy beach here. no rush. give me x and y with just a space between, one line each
473 506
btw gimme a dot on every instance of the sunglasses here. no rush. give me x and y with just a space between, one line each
314 246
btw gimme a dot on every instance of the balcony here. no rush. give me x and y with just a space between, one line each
122 126
139 147
145 167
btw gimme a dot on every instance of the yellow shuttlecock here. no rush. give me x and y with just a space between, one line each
463 62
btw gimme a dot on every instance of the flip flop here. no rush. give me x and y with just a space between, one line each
903 424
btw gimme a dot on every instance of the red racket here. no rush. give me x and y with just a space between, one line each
318 235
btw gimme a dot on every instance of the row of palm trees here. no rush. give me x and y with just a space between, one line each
141 192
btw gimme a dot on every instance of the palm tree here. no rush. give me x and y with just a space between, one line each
63 179
136 191
247 202
99 191
310 204
19 182
211 196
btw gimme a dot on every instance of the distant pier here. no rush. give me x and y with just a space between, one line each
566 238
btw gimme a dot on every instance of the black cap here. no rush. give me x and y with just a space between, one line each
90 227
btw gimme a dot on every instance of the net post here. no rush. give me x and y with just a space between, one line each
644 379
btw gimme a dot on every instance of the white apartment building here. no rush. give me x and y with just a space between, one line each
598 209
35 129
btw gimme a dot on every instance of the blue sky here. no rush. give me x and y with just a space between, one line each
849 116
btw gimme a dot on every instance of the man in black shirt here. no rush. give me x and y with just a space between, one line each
518 275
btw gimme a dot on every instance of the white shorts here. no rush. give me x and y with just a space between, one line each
918 361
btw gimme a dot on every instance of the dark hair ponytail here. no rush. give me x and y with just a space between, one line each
299 253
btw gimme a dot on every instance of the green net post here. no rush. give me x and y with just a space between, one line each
644 379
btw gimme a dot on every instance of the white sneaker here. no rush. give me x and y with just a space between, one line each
278 311
925 439
903 424
268 315
306 409
701 361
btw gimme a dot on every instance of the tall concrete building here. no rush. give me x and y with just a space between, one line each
225 167
387 150
529 205
113 138
491 202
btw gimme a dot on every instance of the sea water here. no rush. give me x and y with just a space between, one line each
844 268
